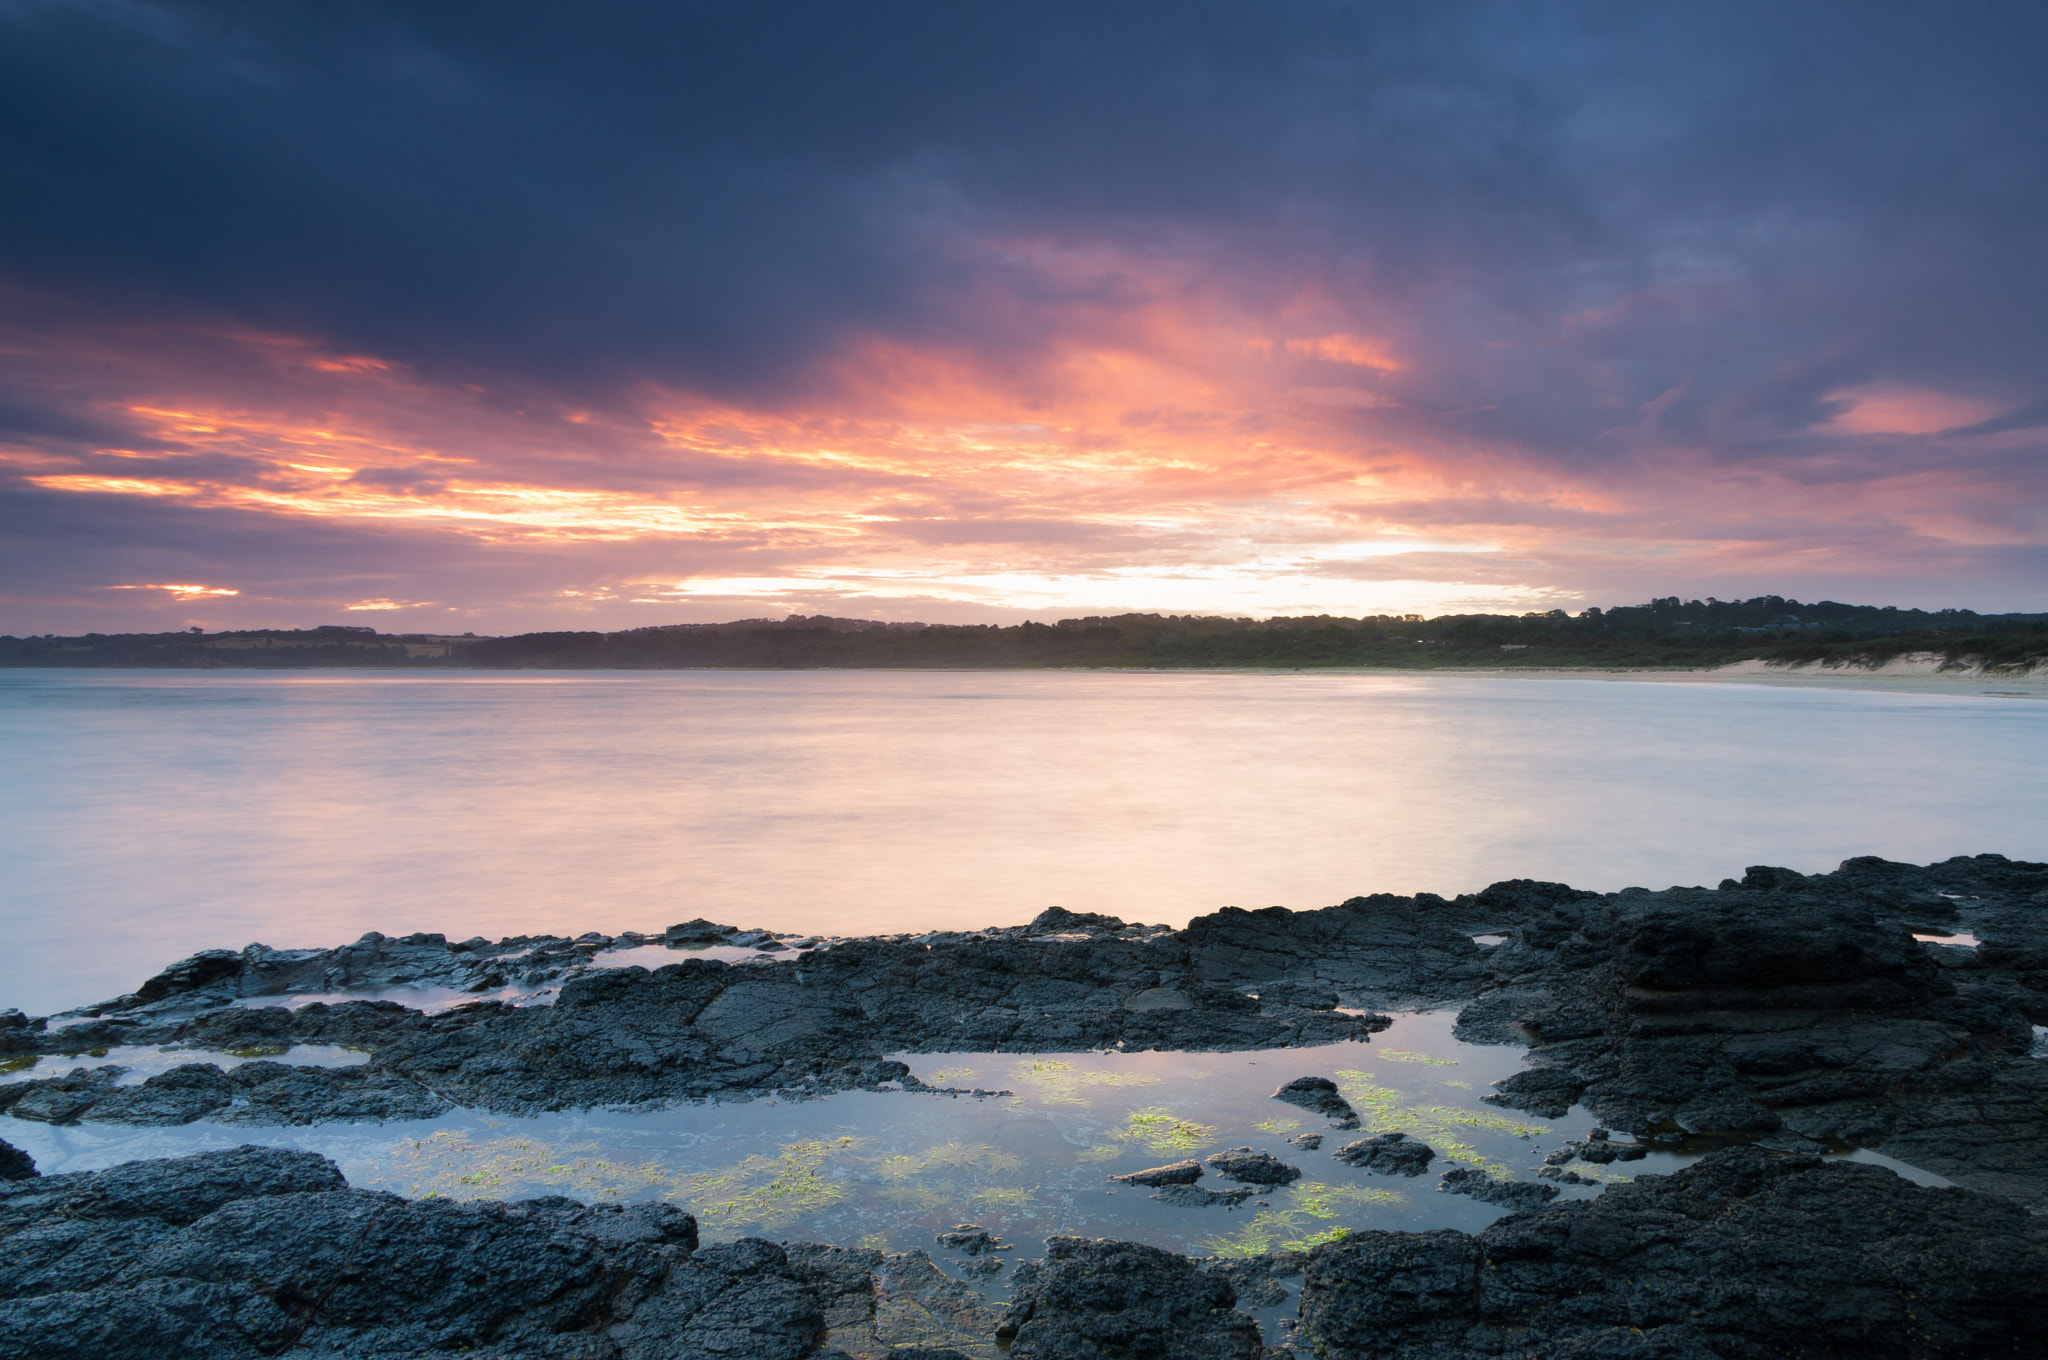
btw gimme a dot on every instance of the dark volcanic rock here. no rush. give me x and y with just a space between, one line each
972 1239
1199 1197
1095 1298
1399 950
1748 1253
261 1251
1784 1005
1745 1254
1060 921
1598 1148
1256 1168
16 1165
1173 1173
698 931
1321 1096
1389 1153
1468 1180
1795 1006
1252 1278
172 1190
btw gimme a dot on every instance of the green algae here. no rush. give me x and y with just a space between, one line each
1161 1130
1060 1083
1444 1127
453 1165
767 1192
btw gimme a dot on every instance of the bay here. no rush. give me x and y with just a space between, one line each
146 814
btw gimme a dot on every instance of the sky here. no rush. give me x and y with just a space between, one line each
491 317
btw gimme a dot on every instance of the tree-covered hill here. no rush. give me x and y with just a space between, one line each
1666 632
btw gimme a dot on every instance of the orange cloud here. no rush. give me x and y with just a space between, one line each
1146 454
182 592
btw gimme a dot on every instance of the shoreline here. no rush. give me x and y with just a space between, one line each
1905 675
1765 1026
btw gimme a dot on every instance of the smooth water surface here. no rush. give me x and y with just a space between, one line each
146 814
891 1169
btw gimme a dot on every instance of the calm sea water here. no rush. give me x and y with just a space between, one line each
144 815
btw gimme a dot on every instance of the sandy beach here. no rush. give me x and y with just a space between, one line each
1921 673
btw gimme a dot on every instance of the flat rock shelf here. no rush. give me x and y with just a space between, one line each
1758 1119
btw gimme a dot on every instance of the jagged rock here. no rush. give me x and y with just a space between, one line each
60 1100
1321 1096
1307 1142
1173 1173
1789 1005
1060 921
1252 1279
1467 1180
1308 995
1549 1092
179 1096
1100 1298
172 1190
698 931
16 1165
1562 1176
1257 1168
1199 1197
257 1251
1793 1006
1745 1253
972 1239
1392 1154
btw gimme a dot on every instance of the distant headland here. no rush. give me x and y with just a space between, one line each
1664 634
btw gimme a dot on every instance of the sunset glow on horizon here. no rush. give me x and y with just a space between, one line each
1350 331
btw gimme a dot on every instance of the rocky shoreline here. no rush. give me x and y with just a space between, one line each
1779 1016
260 1252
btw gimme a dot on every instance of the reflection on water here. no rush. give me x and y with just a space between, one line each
149 814
139 1064
1967 941
890 1169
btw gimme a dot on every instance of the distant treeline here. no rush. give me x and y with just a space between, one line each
1666 632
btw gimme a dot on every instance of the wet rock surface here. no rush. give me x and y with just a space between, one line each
1600 1149
263 1251
1201 1197
1511 1194
15 1165
1320 1096
1173 1173
1748 1253
696 1029
1095 1298
1392 1154
1254 1168
972 1239
1792 1008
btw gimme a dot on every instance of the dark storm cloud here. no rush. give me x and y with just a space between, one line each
2031 416
710 193
1702 276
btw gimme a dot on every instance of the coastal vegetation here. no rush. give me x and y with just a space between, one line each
1667 633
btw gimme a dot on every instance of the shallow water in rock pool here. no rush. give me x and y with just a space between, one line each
890 1169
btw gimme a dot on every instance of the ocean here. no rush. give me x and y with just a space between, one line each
147 814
